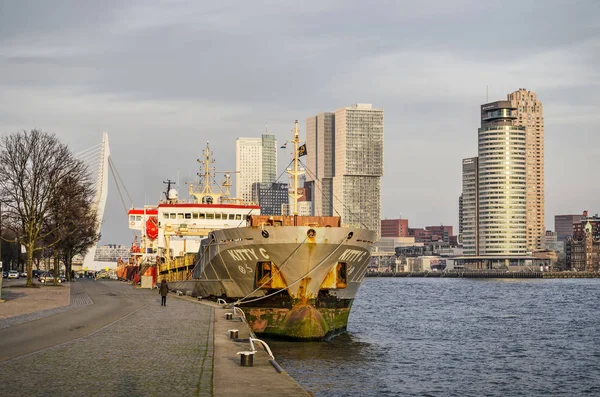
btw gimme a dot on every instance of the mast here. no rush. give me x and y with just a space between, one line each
295 172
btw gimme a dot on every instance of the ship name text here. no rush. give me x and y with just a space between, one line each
243 254
352 255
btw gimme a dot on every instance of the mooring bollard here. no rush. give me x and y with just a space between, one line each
246 358
228 316
233 334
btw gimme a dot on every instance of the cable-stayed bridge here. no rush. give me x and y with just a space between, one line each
97 159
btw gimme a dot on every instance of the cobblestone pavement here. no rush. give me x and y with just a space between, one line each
78 297
153 351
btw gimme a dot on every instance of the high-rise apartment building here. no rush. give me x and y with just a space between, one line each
255 160
470 211
358 165
347 152
494 186
502 182
529 113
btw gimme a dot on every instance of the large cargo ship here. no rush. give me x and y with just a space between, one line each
294 277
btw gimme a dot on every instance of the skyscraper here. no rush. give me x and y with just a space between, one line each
470 211
320 139
255 159
502 183
494 194
347 151
529 113
269 158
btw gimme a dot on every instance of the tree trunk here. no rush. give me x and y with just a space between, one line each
56 265
29 264
68 265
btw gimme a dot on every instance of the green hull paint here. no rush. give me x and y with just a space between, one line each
301 322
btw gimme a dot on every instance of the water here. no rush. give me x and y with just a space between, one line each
459 337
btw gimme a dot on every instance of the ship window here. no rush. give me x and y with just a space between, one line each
195 215
217 216
172 216
131 218
201 216
180 215
165 215
210 216
224 216
188 216
138 218
231 216
238 217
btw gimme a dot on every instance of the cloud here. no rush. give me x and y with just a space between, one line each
163 77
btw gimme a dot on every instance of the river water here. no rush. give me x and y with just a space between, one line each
458 337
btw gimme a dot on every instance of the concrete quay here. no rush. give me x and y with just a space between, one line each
127 344
486 274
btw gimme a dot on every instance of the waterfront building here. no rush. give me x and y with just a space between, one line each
441 232
502 181
304 208
468 227
579 228
529 113
347 147
271 197
394 228
111 253
494 190
460 217
255 161
563 225
553 243
583 249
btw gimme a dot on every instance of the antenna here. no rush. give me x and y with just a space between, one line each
486 94
168 182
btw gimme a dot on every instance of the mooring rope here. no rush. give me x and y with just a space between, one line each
239 301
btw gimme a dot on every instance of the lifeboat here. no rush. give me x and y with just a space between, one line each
152 228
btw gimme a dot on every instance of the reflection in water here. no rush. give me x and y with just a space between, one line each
458 337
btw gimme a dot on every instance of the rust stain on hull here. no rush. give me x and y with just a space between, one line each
301 322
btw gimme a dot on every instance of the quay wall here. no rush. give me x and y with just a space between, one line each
487 274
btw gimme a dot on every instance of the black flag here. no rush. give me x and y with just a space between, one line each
302 150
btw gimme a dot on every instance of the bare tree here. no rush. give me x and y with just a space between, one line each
77 221
33 165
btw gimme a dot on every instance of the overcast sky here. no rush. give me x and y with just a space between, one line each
164 77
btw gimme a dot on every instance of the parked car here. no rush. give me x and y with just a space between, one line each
23 274
13 274
4 274
48 278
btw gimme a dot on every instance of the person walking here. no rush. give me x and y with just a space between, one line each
163 290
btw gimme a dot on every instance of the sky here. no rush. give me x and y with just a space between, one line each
164 77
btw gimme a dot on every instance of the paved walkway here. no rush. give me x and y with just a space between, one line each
20 300
26 306
127 344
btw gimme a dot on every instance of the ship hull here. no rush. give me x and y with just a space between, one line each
292 282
